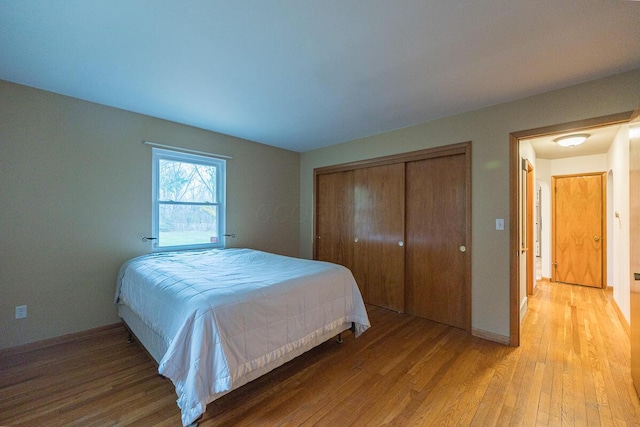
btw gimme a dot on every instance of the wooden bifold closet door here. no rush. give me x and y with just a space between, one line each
402 225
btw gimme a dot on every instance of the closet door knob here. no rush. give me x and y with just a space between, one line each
463 249
355 240
400 243
596 238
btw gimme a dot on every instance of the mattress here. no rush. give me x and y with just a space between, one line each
219 318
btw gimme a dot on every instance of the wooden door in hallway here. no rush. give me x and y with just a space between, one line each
634 243
578 234
436 258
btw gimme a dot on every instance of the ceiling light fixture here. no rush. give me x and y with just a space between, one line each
571 140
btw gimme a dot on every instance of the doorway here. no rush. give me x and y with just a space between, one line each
517 257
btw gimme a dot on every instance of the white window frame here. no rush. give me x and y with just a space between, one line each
220 164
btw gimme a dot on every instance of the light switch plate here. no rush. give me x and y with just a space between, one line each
499 224
21 311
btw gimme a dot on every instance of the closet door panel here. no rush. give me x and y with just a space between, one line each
436 233
379 234
334 218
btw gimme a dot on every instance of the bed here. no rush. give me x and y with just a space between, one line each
217 319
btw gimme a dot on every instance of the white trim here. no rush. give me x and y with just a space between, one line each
187 150
500 339
524 306
220 164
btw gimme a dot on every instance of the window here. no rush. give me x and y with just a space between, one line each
188 201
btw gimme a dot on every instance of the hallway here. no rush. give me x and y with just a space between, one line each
576 358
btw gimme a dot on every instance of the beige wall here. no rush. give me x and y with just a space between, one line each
488 129
75 184
543 168
618 229
577 165
75 201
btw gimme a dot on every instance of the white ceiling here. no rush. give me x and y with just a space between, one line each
598 142
303 74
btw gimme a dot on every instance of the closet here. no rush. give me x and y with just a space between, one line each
402 225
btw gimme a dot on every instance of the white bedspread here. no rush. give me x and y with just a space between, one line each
225 313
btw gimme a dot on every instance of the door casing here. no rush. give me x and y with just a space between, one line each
515 168
634 249
530 249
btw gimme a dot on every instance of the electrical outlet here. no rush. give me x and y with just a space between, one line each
21 311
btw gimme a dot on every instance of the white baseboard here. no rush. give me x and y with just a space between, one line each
500 339
623 320
524 306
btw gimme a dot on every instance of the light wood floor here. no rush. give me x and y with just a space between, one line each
572 369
